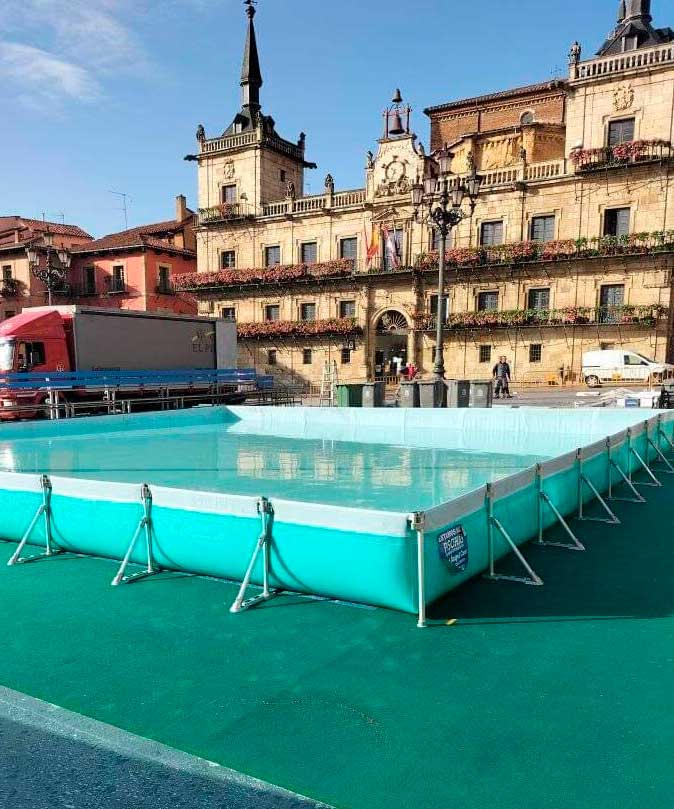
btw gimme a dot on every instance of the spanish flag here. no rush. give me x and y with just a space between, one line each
373 244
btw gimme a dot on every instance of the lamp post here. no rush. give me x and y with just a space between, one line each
438 202
54 271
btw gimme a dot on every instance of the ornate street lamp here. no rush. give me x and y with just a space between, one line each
438 203
54 271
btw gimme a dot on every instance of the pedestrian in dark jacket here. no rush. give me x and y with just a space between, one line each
502 378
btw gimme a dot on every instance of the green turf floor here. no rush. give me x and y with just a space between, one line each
560 696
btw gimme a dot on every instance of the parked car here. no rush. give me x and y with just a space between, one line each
622 366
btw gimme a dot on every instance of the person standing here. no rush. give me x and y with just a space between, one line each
502 378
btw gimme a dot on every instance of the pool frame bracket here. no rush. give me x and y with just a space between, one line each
266 511
144 526
544 499
533 579
45 511
583 480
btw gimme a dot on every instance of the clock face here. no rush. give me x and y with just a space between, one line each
395 171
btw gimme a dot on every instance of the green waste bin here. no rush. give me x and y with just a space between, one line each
432 393
374 394
409 394
350 395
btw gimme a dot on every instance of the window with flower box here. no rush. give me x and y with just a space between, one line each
309 253
621 131
617 222
539 298
348 248
272 313
433 306
228 194
491 233
308 311
228 260
487 301
543 228
272 255
347 309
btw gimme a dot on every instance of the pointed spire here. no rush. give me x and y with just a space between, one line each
251 75
621 11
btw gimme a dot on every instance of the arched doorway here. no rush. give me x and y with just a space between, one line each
391 350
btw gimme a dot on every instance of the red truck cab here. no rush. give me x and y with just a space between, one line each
34 341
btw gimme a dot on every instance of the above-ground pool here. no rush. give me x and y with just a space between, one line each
386 507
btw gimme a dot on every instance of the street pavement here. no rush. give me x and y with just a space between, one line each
54 759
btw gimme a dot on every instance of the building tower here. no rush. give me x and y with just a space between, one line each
634 29
249 164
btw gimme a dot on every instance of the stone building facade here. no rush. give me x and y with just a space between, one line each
569 248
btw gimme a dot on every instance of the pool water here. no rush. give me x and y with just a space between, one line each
228 457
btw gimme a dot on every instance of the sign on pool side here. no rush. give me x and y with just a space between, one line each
453 547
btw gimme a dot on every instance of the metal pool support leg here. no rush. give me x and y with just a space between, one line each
583 480
144 526
43 511
655 482
266 511
658 450
419 526
544 499
493 523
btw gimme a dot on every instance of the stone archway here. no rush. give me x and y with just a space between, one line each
392 342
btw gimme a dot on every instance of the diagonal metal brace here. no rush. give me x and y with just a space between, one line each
43 511
655 482
144 527
493 522
263 545
638 497
612 517
665 460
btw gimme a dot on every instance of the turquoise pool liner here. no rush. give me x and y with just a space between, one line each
404 559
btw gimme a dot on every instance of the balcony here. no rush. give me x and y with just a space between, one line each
262 276
645 316
225 212
633 153
622 63
10 287
633 244
290 329
315 203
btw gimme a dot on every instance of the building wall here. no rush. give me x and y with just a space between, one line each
527 171
141 274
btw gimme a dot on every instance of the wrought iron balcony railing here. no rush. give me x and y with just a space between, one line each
225 212
646 315
633 153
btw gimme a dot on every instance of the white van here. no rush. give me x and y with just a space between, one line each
622 366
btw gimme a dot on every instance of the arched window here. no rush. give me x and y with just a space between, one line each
527 117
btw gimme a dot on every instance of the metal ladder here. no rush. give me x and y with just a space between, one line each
329 383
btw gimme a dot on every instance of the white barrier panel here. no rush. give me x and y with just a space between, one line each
637 429
560 464
441 516
618 439
96 490
19 482
339 518
513 483
593 450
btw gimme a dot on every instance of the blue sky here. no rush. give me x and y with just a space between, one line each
102 95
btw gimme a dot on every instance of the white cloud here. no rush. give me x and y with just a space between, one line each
38 75
65 49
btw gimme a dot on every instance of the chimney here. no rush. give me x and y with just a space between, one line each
181 208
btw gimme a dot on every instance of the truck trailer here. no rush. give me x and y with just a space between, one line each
49 341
